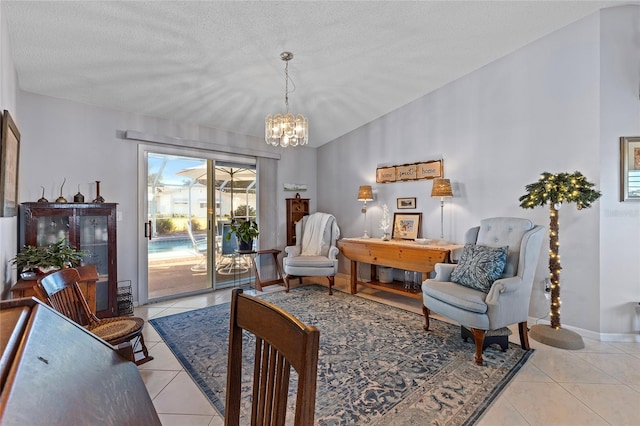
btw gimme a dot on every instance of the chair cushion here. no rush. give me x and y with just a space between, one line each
455 295
315 261
479 266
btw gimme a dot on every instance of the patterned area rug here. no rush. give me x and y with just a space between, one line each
377 365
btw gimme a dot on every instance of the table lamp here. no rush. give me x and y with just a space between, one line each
365 193
441 188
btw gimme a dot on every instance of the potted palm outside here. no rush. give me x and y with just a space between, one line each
245 231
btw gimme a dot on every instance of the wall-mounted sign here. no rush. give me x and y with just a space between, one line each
406 172
386 174
409 172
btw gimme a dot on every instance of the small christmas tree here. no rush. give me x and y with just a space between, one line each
554 190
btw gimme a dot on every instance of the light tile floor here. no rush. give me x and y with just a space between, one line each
598 385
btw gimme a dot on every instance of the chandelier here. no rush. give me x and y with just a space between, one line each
286 130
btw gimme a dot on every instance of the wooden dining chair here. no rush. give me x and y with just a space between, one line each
282 342
62 292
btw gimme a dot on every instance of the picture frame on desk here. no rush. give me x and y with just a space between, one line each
406 226
630 168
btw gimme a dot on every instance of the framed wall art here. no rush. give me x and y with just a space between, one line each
630 168
9 156
409 172
406 203
406 226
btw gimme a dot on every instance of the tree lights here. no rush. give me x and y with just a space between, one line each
554 190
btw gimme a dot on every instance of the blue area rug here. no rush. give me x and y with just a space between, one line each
377 366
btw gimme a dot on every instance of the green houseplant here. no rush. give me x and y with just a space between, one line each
245 231
45 258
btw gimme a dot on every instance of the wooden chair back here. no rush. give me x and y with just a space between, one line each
282 342
60 290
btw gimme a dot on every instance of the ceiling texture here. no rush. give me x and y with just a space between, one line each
217 63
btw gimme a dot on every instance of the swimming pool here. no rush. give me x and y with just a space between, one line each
163 245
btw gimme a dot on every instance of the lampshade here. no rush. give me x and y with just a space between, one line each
441 188
365 193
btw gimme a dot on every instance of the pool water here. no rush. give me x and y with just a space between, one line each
166 245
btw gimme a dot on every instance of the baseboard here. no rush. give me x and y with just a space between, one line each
594 335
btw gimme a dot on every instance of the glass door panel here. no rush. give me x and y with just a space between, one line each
51 229
235 194
178 213
94 240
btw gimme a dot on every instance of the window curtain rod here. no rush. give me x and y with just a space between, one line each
134 135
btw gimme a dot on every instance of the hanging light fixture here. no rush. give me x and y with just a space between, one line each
286 130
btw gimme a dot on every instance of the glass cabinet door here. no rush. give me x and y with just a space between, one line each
51 229
94 241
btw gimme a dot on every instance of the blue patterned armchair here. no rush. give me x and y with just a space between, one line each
490 287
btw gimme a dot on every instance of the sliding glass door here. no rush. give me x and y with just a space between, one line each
189 203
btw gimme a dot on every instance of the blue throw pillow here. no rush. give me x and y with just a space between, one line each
479 266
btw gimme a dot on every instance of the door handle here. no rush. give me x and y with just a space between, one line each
147 230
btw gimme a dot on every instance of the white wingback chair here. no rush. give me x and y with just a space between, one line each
315 253
500 304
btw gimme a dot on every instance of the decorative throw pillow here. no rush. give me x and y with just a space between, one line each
479 266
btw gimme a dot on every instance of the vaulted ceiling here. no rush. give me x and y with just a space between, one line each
217 63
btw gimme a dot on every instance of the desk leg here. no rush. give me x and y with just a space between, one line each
354 277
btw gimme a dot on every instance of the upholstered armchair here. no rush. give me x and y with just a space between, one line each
490 287
315 253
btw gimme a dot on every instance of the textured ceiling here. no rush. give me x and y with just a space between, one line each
217 63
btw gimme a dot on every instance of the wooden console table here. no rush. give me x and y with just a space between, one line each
401 254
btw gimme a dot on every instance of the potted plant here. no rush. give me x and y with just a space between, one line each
44 259
245 231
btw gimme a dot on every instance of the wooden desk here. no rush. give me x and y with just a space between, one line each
55 372
401 254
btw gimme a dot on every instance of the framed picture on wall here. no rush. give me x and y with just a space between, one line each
630 168
406 203
406 226
9 156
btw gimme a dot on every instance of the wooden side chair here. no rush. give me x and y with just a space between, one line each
60 290
282 342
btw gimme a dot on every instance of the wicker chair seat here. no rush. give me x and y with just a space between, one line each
113 329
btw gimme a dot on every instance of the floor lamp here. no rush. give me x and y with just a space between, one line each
365 193
441 188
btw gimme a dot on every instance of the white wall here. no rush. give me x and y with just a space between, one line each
8 225
82 143
619 221
537 109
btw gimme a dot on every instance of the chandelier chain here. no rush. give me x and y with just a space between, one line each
286 86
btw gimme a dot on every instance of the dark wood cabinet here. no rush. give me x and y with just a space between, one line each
296 208
90 227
